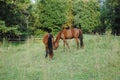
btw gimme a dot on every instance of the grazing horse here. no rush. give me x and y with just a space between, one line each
69 34
48 42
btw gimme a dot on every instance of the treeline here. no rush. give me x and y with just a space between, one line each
22 18
13 19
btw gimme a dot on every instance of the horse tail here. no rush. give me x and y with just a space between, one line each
81 38
50 45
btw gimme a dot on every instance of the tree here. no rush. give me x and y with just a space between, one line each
111 15
87 15
14 19
50 14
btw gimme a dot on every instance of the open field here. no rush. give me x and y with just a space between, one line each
99 60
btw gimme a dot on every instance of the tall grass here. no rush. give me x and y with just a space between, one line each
99 60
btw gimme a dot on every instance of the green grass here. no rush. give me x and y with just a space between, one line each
99 60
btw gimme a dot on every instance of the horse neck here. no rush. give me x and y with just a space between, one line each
58 37
56 42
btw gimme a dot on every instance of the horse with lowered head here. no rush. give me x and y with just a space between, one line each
49 43
70 33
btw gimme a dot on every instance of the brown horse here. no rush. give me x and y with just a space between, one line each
69 34
48 42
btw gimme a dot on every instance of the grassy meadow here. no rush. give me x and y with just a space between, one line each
99 60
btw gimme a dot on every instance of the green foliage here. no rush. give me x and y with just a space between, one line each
87 15
9 32
23 18
14 18
39 33
111 8
50 14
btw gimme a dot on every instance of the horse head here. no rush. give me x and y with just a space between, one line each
55 45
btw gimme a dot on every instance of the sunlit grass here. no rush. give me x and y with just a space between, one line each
99 60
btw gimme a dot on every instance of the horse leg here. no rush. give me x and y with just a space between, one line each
65 43
47 51
51 55
77 42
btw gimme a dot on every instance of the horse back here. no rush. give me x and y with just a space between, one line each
45 38
70 33
67 34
